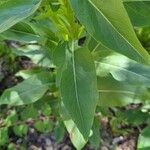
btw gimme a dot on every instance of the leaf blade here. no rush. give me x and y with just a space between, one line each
108 23
11 12
28 91
121 83
139 12
80 98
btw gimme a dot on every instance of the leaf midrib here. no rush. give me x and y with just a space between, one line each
117 91
100 11
121 68
75 84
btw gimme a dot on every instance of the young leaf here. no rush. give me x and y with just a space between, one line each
12 12
78 88
20 130
43 126
28 91
108 23
11 118
29 112
138 11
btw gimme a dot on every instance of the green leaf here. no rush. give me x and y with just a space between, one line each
108 23
60 55
27 73
21 32
59 131
129 116
29 112
95 138
39 125
12 12
63 20
121 83
39 55
28 91
3 136
11 118
139 11
20 130
117 93
78 88
43 126
46 109
144 138
128 71
75 135
11 146
46 31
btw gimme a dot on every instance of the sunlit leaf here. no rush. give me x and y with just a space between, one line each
28 91
124 69
74 133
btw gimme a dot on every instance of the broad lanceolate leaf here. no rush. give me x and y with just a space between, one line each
108 22
127 83
78 87
119 93
28 91
124 69
13 11
139 11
